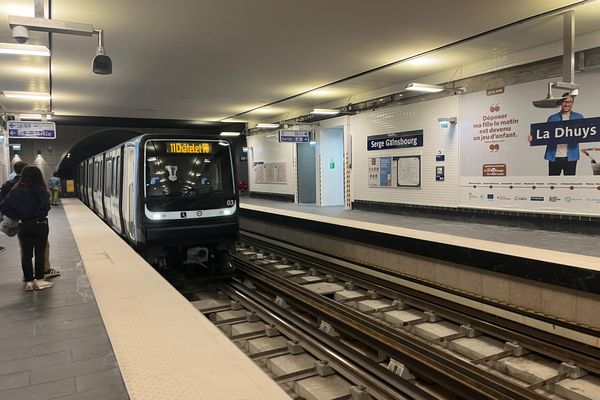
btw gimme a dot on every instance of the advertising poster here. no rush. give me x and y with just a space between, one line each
516 156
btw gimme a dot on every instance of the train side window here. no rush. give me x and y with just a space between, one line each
95 181
108 178
118 177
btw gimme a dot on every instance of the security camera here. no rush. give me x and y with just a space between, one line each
102 64
20 33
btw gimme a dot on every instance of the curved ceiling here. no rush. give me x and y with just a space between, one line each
209 60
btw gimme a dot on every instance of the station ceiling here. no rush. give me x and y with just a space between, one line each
212 60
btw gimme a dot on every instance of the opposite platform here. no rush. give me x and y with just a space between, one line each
570 249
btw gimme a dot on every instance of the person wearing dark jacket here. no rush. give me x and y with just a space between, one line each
6 186
49 271
29 202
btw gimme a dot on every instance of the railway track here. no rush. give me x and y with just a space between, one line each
362 338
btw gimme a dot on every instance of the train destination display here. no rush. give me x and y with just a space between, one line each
188 148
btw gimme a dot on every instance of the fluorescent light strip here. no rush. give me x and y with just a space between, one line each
265 125
27 95
37 117
325 111
423 87
24 49
230 134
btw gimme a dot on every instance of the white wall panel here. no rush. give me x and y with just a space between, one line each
265 147
399 118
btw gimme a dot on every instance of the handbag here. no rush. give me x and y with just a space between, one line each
10 227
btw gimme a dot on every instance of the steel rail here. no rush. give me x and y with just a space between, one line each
543 342
458 376
370 374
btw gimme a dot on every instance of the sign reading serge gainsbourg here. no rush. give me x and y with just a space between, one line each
571 131
398 140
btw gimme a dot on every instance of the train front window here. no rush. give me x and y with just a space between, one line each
187 169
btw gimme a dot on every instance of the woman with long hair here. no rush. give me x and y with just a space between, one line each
29 202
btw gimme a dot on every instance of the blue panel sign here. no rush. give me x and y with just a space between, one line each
31 130
385 171
291 136
399 140
571 131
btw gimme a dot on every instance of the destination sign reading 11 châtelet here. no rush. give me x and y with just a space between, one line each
188 148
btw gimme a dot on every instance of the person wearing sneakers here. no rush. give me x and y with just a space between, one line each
13 178
49 272
29 202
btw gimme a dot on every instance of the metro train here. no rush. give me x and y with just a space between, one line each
172 197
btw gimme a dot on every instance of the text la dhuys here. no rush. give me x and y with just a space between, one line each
573 131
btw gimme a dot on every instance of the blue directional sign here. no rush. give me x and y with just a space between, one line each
292 136
31 130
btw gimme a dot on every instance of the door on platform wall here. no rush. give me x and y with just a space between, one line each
307 173
331 151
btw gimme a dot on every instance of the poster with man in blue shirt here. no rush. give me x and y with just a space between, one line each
562 134
563 157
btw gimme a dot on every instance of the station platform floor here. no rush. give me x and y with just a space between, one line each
111 327
571 249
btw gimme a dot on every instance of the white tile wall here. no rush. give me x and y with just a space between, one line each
399 118
265 147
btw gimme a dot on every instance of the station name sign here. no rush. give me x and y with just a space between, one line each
31 130
292 136
397 140
571 131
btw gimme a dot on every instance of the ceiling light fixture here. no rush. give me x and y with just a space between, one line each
266 125
24 49
27 95
426 88
230 134
325 111
36 117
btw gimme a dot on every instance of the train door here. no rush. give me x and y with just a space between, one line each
98 184
81 181
89 182
107 192
116 192
128 194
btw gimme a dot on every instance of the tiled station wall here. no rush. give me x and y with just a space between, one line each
265 147
410 117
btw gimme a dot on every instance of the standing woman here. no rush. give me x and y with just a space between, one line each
29 202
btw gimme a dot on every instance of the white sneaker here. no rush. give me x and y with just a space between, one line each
41 284
29 286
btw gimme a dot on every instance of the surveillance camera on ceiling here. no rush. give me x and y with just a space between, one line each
20 33
102 64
